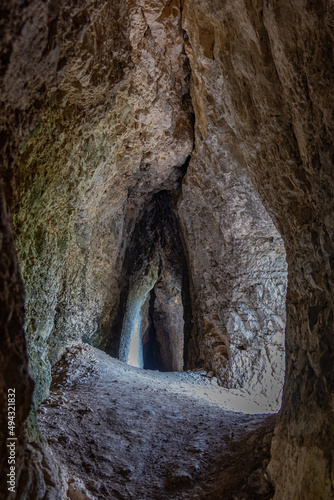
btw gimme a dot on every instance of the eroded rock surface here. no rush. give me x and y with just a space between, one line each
117 131
237 267
262 73
92 165
149 329
96 117
35 472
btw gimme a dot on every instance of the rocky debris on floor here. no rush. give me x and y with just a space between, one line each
119 432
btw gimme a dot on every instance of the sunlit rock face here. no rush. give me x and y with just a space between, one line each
135 321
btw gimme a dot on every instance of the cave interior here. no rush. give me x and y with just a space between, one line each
167 249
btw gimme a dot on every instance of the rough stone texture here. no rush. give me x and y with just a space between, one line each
168 321
265 70
13 357
41 475
237 268
152 436
102 126
116 130
236 255
150 320
135 321
150 329
36 475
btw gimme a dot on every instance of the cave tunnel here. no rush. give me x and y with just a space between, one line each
150 327
98 101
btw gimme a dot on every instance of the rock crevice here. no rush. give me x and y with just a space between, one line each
154 285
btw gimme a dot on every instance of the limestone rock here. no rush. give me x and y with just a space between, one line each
263 73
236 255
102 105
116 130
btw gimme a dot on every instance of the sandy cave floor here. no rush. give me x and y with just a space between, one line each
119 432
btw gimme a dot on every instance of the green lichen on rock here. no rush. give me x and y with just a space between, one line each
30 136
80 185
52 174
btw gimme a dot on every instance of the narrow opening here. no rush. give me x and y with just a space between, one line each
152 357
149 329
152 352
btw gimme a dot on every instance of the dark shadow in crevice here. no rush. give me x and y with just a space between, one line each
151 346
156 232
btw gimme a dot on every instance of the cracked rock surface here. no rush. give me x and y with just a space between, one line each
91 165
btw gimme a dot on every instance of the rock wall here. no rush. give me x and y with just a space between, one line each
263 71
236 255
27 469
150 319
117 129
238 270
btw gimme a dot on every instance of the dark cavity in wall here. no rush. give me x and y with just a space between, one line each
155 300
151 348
